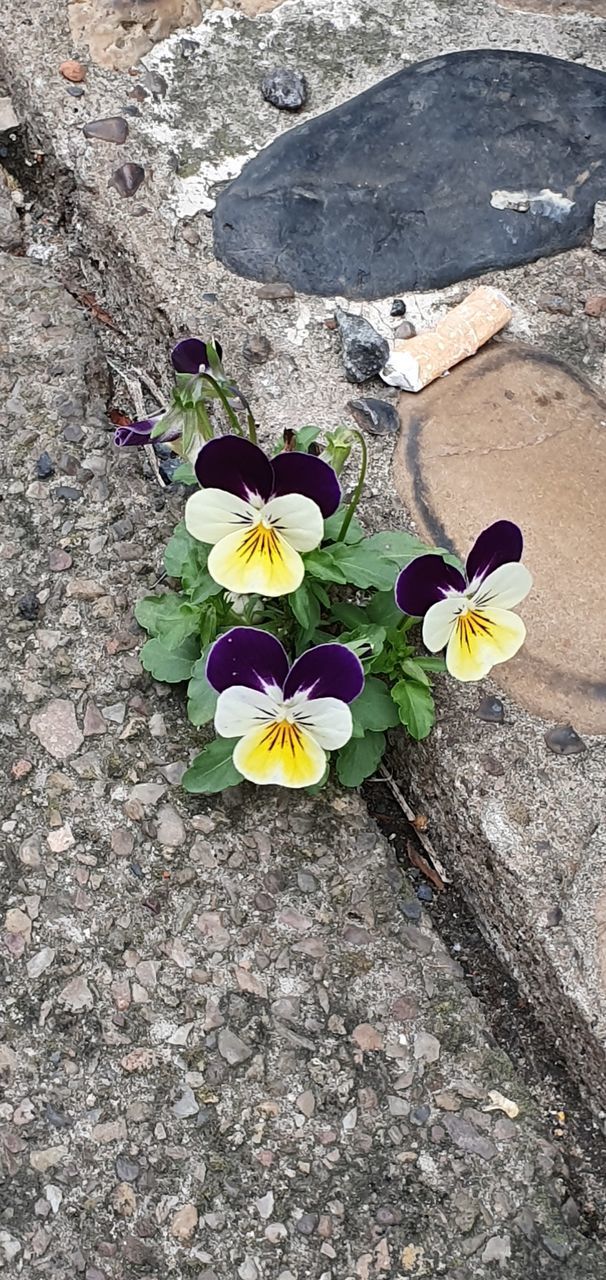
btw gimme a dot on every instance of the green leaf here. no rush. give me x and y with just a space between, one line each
431 664
350 614
185 474
332 527
305 437
320 593
177 551
359 758
415 706
398 545
362 565
367 637
170 665
374 709
167 616
382 608
201 697
411 668
305 607
320 564
213 769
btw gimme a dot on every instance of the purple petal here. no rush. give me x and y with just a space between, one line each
191 356
137 433
234 464
302 473
425 581
328 671
248 656
500 543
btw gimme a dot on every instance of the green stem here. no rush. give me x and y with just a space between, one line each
357 494
233 417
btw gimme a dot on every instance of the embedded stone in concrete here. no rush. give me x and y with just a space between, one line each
381 193
515 433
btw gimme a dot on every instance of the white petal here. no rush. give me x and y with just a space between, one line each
328 720
503 588
240 709
211 514
440 619
298 519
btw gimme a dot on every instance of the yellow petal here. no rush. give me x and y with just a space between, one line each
258 561
281 754
480 639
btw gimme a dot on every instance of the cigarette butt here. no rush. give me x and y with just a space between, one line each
415 363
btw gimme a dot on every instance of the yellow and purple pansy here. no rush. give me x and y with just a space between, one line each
285 717
259 515
470 615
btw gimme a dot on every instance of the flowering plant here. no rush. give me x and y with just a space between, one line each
296 630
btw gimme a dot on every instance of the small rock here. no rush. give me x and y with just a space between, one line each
491 710
398 307
20 769
8 116
232 1048
67 492
426 1047
72 71
184 1223
466 1138
17 922
248 1270
47 1158
257 349
59 560
364 350
404 331
111 129
186 1105
127 179
497 1249
412 910
554 917
109 1131
126 1169
285 89
56 728
76 995
171 831
367 1038
29 606
122 842
278 292
60 839
389 1216
554 304
40 962
45 466
306 1103
378 417
595 305
189 234
425 893
94 722
265 1205
563 740
307 1223
139 1253
124 1200
420 1115
598 241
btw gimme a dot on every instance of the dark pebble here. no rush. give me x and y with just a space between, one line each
364 350
138 93
56 1118
29 606
554 304
378 417
127 1170
73 433
491 710
570 1212
131 110
66 491
45 466
412 910
156 83
563 740
257 350
555 1248
75 90
111 129
554 917
398 307
137 871
189 48
127 179
285 89
425 893
307 1223
420 1115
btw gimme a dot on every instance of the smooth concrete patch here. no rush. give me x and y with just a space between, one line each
453 166
516 433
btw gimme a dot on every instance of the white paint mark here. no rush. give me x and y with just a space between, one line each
545 203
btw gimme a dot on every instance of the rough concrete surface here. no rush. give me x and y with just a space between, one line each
225 1052
149 261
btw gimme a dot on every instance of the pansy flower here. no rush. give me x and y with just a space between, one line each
286 718
470 615
259 515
